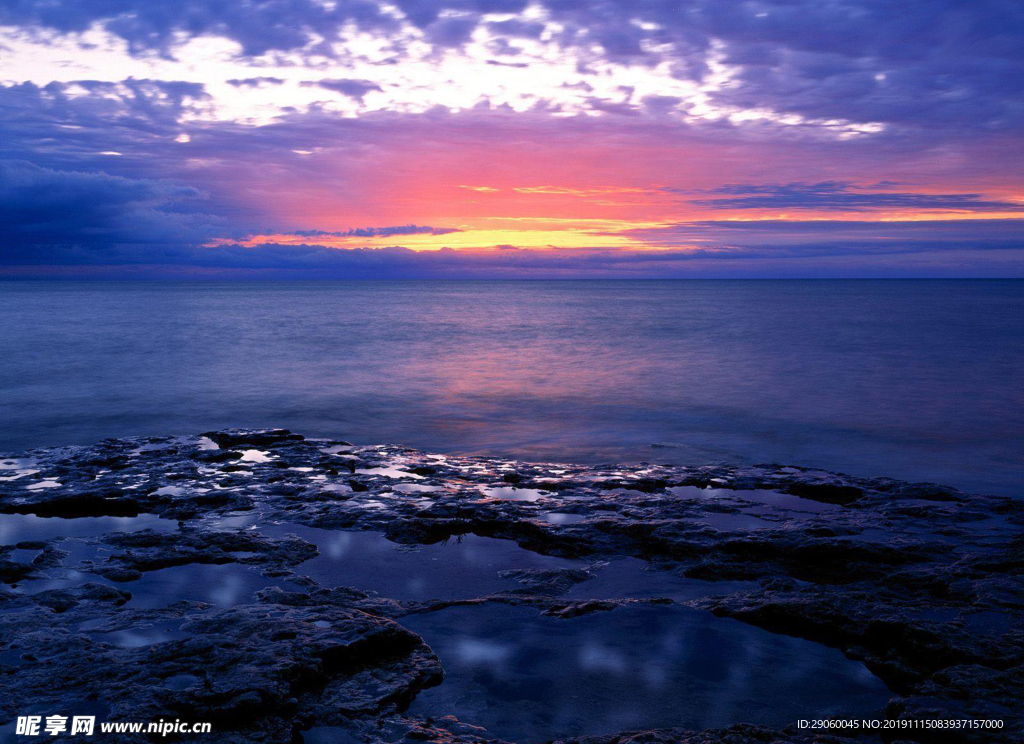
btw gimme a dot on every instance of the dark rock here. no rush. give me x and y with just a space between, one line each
921 582
547 581
252 438
148 550
77 505
829 493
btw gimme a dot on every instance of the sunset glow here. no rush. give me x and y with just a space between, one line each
231 143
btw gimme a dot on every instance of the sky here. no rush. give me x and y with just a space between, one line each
511 138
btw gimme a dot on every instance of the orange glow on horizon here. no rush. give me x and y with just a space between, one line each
496 233
500 186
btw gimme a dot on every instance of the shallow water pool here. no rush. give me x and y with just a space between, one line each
530 678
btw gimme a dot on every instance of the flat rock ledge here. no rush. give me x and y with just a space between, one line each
921 582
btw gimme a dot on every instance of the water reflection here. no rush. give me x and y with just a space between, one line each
139 636
530 678
460 568
563 518
222 585
252 455
523 676
511 493
15 528
919 380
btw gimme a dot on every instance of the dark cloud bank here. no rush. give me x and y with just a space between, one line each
763 250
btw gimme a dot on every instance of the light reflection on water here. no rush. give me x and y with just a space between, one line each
15 528
764 501
919 380
524 676
460 568
511 493
223 585
530 678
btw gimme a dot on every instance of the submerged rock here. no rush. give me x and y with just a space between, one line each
921 582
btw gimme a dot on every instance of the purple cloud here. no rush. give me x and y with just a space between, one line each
255 82
938 66
48 207
844 196
376 232
352 88
842 258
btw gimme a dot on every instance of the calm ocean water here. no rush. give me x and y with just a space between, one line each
913 379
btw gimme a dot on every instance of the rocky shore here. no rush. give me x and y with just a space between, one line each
921 583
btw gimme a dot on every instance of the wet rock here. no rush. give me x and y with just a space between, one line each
922 582
252 437
75 505
148 550
118 573
741 734
964 692
829 493
259 671
11 572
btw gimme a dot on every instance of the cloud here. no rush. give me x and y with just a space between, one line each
66 204
317 261
49 207
516 28
258 27
845 196
943 66
376 232
255 82
828 236
352 88
452 32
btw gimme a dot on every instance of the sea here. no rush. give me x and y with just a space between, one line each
918 380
